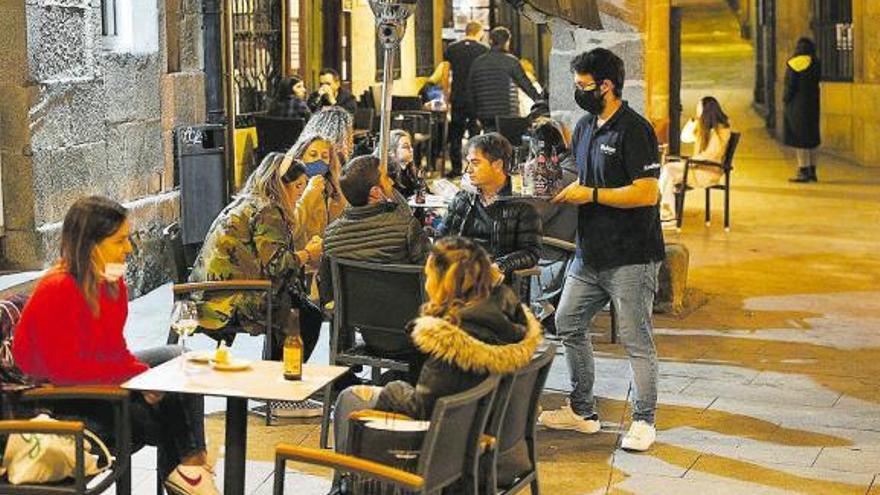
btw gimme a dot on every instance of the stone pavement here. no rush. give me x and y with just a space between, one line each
770 381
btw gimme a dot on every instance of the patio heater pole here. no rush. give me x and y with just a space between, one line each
391 16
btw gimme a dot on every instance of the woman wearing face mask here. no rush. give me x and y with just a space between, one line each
710 132
70 333
252 238
290 100
321 159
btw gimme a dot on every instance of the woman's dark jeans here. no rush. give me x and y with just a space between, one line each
176 425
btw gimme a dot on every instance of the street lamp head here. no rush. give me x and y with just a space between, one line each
391 16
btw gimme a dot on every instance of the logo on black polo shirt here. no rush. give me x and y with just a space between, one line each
608 150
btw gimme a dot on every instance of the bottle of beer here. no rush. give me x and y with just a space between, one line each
421 187
293 357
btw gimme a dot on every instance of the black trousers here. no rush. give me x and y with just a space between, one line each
176 425
463 119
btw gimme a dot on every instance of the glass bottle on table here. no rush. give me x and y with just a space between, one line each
516 174
421 187
293 356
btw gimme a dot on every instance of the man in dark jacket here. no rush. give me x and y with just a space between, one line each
494 79
331 93
461 56
510 230
374 228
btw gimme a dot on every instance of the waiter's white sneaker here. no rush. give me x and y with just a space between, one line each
640 437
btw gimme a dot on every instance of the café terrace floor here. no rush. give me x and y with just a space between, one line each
770 381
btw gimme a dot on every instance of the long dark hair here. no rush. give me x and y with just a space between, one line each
88 222
713 117
285 87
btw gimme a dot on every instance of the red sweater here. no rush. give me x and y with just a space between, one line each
59 339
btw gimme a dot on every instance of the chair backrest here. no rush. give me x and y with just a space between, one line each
376 300
731 149
363 118
450 448
513 128
406 103
514 418
277 133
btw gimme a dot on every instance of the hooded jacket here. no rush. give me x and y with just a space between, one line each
801 97
495 336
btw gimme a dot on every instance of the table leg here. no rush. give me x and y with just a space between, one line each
236 445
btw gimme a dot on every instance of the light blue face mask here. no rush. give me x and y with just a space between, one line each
319 167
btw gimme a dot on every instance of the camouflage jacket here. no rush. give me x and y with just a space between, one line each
250 239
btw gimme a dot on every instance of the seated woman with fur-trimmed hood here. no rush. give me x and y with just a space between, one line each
472 326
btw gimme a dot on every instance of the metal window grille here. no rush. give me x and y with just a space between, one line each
108 18
833 30
257 50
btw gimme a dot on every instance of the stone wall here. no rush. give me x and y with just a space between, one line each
624 31
87 118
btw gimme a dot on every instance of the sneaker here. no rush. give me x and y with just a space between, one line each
297 409
191 480
640 437
566 419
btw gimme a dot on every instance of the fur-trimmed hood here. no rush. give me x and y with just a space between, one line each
451 343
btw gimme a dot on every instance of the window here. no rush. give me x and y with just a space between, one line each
832 28
424 27
130 26
108 17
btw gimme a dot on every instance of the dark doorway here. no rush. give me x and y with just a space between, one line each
765 62
675 107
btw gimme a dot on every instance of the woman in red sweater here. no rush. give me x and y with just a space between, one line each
70 333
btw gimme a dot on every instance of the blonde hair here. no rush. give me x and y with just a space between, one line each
465 277
266 183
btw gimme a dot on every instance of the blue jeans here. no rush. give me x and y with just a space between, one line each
631 290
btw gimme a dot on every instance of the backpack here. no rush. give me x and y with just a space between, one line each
10 314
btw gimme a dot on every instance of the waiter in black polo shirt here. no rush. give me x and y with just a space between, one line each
619 246
461 56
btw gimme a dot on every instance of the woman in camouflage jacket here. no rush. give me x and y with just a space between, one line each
252 238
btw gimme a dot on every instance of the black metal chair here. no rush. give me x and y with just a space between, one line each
276 134
513 128
376 301
43 397
449 451
726 167
363 119
406 103
512 425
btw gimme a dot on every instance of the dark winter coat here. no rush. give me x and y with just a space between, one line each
494 78
801 124
495 336
509 229
377 233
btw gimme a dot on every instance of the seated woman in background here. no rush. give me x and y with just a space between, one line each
70 333
472 326
252 239
710 132
290 100
323 148
401 168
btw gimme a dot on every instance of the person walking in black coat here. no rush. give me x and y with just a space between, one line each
494 79
461 56
801 99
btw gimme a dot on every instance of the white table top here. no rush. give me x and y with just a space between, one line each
264 380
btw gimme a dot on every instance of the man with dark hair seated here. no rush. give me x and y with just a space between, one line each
374 228
509 229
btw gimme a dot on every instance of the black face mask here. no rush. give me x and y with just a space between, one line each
592 101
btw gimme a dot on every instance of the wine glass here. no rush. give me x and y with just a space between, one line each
184 320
